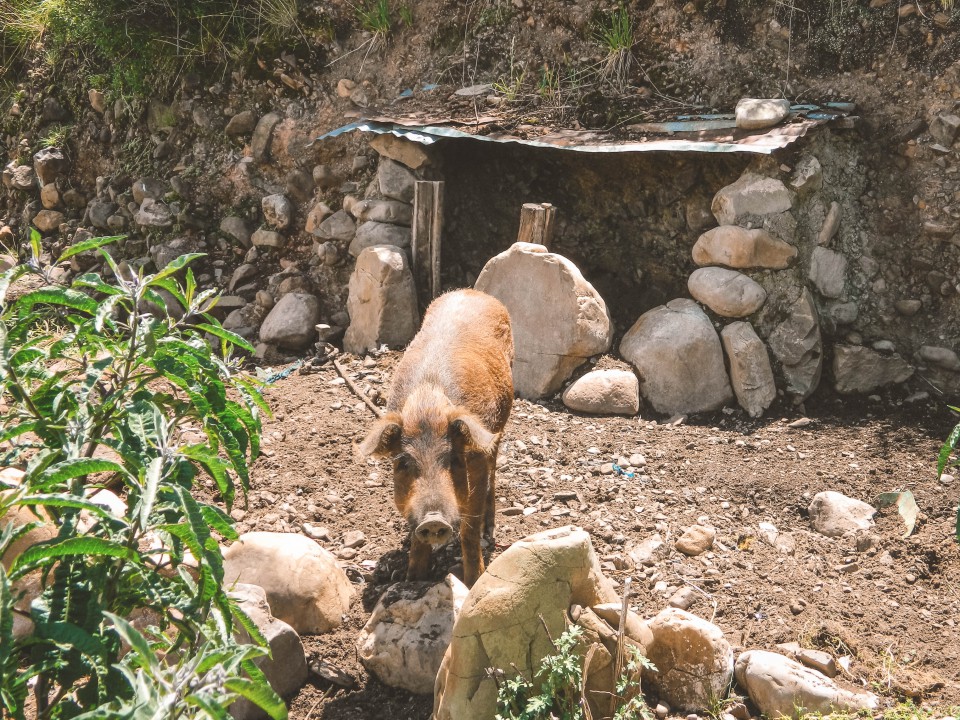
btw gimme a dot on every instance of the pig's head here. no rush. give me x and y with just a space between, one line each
431 442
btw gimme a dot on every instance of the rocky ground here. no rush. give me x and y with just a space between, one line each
887 603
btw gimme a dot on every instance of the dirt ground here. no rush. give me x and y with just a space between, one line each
892 607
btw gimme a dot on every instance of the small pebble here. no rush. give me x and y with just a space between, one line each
354 539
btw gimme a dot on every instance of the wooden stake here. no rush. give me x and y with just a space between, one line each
425 244
536 223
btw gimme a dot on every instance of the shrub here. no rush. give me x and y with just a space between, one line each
98 383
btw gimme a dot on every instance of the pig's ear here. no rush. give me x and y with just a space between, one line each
383 440
467 429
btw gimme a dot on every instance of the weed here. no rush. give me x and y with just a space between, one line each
616 35
374 16
948 459
56 136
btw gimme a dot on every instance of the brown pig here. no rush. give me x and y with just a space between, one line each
450 400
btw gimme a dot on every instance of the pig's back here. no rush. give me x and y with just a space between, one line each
465 346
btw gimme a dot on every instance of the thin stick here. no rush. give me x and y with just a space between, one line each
618 667
356 391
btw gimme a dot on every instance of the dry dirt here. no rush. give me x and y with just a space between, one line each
893 608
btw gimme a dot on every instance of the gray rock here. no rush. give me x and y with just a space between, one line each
74 199
48 164
828 272
797 344
842 313
941 357
23 178
49 196
908 307
242 123
737 247
382 301
385 211
857 369
52 110
48 221
117 223
396 181
694 662
148 187
559 319
751 195
324 177
339 227
678 358
834 514
376 233
413 155
286 668
944 128
164 253
726 292
236 228
267 238
404 640
153 213
781 687
277 210
291 322
328 253
755 114
262 137
604 392
242 274
649 551
750 373
807 176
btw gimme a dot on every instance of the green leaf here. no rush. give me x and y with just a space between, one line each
86 245
173 267
93 281
70 469
64 297
65 501
948 447
112 264
104 311
11 275
260 694
36 248
216 468
148 494
219 521
210 707
171 287
226 335
137 642
81 545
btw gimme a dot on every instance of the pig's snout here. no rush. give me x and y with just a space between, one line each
434 529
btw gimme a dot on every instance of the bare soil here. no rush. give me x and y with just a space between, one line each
892 607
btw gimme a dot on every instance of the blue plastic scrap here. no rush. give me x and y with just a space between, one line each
620 471
285 373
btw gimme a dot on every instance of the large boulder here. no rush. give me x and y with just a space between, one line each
781 687
383 211
759 113
395 180
382 301
378 233
834 514
678 357
750 371
693 661
286 667
751 195
405 638
726 292
737 247
858 369
413 155
292 321
501 625
559 319
797 344
604 392
305 587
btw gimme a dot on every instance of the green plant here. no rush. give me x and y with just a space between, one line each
56 136
98 381
374 16
946 459
558 695
615 33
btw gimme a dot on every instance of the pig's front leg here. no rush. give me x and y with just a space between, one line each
419 566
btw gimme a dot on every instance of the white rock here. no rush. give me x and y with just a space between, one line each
807 176
286 668
756 113
500 623
781 687
408 633
277 210
833 514
726 292
559 319
305 587
649 551
750 195
382 301
383 211
828 271
696 539
737 247
291 323
372 233
858 369
750 373
797 344
604 392
678 358
153 213
694 661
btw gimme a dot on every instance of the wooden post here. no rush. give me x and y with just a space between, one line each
425 244
536 223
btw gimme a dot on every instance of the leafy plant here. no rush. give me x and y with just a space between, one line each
945 460
558 694
100 383
615 33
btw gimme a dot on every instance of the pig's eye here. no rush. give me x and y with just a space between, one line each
404 463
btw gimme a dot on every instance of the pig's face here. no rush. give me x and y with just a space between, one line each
431 442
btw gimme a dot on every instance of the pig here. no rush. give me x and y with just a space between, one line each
450 399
